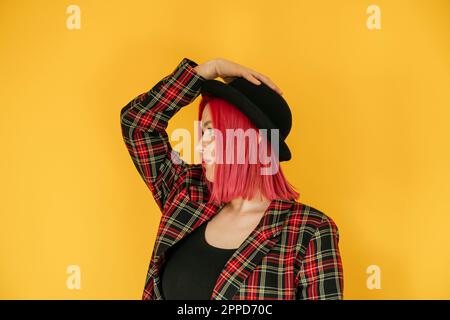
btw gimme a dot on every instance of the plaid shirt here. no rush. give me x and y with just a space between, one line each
293 252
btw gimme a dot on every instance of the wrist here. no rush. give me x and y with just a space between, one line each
207 70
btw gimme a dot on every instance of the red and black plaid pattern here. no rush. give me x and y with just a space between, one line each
292 254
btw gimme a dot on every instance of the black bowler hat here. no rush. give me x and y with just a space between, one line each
265 108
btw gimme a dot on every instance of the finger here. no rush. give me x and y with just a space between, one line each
269 83
252 79
274 86
227 80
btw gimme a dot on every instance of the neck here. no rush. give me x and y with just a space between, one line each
243 206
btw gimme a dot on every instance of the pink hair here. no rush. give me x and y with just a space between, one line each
233 180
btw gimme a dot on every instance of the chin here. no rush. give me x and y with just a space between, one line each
208 170
209 176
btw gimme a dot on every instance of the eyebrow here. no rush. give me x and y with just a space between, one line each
206 123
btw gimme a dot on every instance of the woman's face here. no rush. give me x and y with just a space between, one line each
206 145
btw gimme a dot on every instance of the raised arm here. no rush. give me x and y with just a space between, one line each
144 121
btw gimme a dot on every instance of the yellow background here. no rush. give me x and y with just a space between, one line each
370 139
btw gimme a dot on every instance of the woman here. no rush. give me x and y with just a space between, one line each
227 231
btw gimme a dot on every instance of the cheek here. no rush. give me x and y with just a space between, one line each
209 153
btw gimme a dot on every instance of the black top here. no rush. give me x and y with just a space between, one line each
192 267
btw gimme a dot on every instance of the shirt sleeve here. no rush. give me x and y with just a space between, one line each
321 274
144 121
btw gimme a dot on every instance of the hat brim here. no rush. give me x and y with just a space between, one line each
256 116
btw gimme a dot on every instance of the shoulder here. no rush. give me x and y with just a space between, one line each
194 174
195 183
310 214
313 221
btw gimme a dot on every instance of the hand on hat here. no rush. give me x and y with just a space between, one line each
229 70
